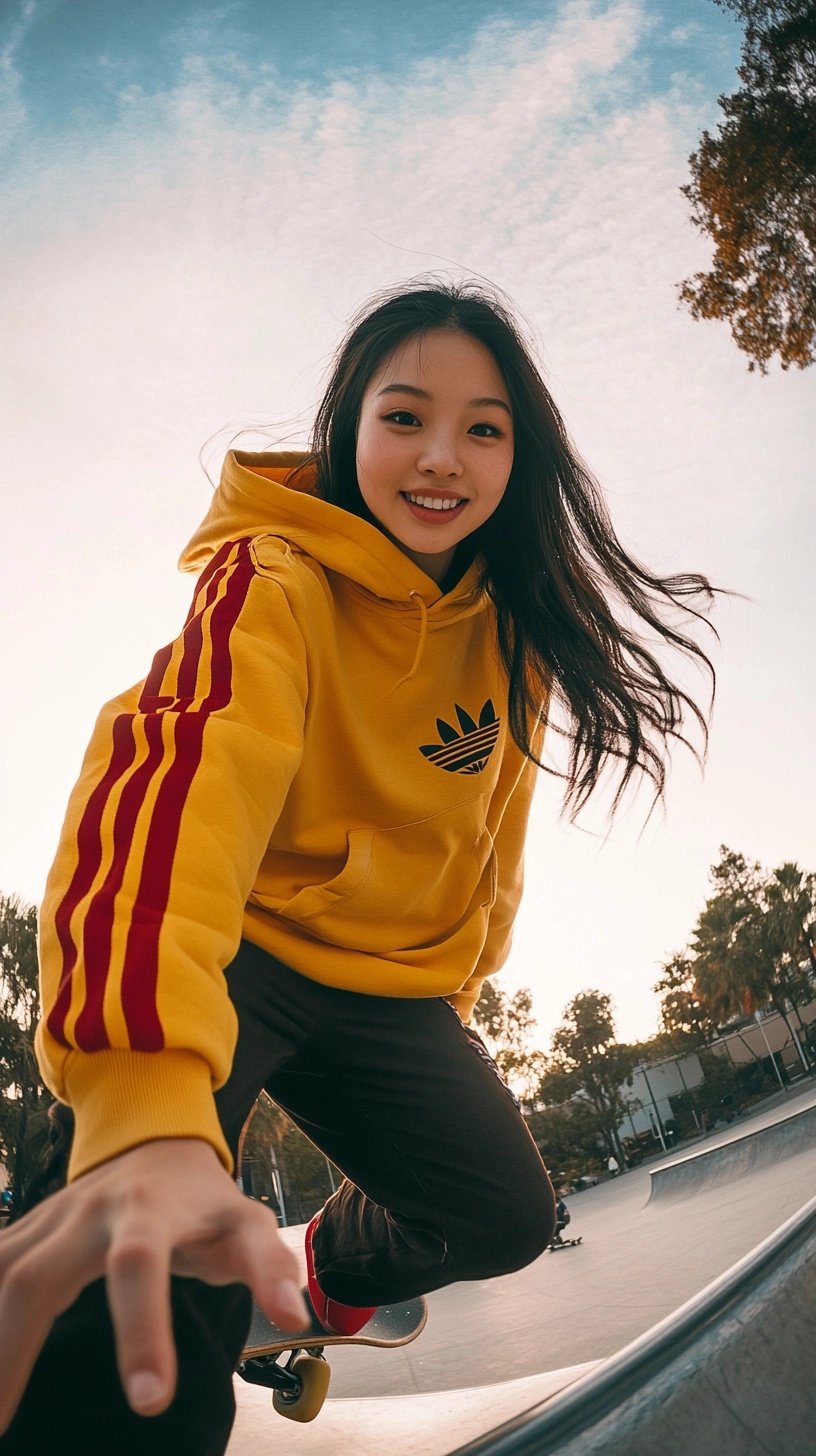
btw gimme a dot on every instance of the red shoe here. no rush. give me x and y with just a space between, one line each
336 1318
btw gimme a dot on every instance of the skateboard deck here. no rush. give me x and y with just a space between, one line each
300 1383
565 1244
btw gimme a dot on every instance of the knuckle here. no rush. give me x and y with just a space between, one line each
21 1280
141 1191
129 1251
95 1203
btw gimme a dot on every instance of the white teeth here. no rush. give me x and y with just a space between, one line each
433 503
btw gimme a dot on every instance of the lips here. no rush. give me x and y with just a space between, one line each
435 509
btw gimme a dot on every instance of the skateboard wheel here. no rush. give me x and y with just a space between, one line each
314 1375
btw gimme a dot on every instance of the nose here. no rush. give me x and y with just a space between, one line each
439 457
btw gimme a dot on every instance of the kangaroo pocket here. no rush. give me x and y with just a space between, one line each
406 887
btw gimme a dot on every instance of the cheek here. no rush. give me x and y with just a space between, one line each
376 457
499 476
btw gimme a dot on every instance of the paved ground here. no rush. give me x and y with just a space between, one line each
401 1425
637 1264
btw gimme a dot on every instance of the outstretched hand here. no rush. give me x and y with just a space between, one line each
165 1207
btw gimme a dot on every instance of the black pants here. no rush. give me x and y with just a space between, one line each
442 1183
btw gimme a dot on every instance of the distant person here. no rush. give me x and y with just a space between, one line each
614 1167
292 858
562 1217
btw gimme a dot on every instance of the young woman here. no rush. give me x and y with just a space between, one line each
294 854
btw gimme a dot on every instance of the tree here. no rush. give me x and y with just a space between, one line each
588 1061
567 1136
684 1017
790 909
753 941
727 979
506 1024
753 191
779 942
23 1097
272 1141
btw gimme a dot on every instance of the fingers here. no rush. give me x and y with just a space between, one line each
42 1281
160 1208
28 1232
272 1275
138 1287
250 1251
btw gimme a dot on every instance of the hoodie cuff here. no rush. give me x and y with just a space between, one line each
121 1099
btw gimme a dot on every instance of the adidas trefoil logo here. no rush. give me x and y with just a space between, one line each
466 752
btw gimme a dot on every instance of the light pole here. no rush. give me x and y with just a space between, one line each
657 1114
688 1093
770 1053
277 1179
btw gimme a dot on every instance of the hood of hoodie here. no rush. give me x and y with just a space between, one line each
255 497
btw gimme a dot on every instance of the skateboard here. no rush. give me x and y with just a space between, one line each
300 1383
565 1244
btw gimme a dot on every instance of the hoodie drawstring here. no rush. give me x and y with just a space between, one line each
423 631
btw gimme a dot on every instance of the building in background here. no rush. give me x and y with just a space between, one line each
649 1092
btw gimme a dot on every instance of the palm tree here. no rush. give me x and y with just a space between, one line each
753 942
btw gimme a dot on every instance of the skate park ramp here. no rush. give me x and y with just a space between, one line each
742 1154
678 1328
730 1374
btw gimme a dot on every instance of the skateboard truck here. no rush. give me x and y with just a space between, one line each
294 1366
299 1385
267 1370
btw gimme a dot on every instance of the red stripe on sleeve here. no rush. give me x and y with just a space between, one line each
194 642
89 845
213 565
155 678
140 972
91 1034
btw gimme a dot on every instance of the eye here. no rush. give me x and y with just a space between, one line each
401 417
486 432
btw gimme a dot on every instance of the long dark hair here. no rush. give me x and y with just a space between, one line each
574 611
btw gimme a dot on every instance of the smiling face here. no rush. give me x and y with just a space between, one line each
435 445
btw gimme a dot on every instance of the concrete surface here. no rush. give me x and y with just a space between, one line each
729 1374
638 1263
413 1425
747 1150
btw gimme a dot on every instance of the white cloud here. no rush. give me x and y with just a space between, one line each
195 265
12 34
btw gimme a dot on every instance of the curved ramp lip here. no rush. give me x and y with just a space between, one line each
597 1395
733 1152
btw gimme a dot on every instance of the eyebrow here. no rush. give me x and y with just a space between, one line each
423 394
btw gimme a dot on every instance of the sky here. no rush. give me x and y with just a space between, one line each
196 197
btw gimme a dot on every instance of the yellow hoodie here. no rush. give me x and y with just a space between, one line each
321 763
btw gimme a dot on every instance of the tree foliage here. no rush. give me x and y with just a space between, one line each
753 191
273 1141
506 1024
685 1020
568 1137
752 946
588 1061
23 1097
